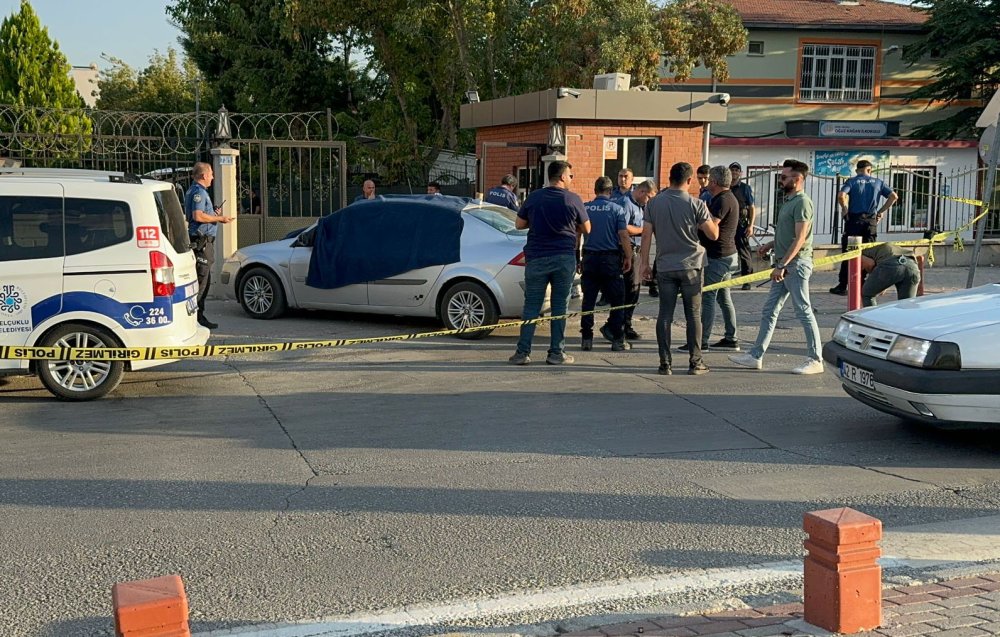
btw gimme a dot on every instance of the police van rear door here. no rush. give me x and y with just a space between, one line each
31 260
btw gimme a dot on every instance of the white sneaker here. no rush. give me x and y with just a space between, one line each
811 366
748 360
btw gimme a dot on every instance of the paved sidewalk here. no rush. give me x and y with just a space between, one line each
967 607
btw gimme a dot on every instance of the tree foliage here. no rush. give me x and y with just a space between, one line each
962 35
35 74
168 84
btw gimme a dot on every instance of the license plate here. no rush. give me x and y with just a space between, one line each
191 305
857 375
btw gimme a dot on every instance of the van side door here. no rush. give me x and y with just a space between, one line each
31 261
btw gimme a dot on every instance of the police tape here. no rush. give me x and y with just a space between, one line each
112 354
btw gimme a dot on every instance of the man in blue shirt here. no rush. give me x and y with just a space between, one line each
859 209
553 216
503 195
202 220
625 177
704 194
607 253
634 204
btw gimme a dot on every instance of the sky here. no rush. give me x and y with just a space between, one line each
128 29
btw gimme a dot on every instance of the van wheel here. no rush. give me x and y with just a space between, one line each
80 380
468 305
261 294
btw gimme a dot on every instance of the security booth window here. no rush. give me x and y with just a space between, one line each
641 154
30 228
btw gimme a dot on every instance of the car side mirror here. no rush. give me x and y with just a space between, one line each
304 240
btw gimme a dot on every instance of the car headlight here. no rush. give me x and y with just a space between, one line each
917 352
842 332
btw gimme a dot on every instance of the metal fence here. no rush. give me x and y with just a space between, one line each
927 200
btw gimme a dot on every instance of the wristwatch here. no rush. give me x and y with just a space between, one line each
781 266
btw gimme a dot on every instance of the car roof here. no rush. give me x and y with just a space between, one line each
82 176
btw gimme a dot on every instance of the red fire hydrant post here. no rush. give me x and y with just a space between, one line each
151 608
843 581
854 274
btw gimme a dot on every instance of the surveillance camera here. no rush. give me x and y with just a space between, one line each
563 92
724 99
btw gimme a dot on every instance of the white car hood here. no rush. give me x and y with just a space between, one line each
933 317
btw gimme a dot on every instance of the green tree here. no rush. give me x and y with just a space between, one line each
35 81
168 84
962 34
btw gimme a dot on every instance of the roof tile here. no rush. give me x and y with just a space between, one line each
822 13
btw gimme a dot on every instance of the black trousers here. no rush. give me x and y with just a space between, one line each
204 254
602 272
743 249
633 285
855 226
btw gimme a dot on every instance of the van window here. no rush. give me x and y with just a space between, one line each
30 228
92 224
172 221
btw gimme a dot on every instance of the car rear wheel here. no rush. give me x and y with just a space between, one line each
80 380
468 305
261 294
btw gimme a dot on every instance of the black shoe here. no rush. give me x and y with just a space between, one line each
746 286
664 370
726 344
697 369
620 346
203 320
653 291
684 348
632 335
606 333
587 344
839 291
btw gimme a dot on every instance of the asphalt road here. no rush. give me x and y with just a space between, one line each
286 487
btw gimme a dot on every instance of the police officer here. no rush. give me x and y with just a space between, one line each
607 254
887 265
202 220
860 211
503 195
634 203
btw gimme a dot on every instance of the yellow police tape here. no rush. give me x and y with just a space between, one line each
17 352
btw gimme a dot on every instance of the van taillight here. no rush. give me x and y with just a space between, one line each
162 269
518 260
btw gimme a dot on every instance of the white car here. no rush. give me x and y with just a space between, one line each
483 285
934 359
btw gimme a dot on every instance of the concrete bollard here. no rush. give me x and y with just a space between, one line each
151 608
843 581
920 266
854 275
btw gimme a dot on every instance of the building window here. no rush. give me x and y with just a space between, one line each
837 73
756 47
914 209
641 154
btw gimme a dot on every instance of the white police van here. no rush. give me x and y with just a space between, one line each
92 259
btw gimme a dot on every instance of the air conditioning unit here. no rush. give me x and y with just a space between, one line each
612 82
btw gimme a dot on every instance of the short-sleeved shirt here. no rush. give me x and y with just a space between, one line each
618 193
796 209
197 198
863 193
553 215
705 195
607 219
726 209
362 197
675 216
634 214
885 252
503 197
744 195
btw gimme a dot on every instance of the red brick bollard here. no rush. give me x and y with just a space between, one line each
843 581
151 608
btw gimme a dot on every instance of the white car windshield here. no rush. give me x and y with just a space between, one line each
500 218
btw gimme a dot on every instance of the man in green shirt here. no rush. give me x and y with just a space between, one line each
793 240
888 265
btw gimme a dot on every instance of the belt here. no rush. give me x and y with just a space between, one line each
602 252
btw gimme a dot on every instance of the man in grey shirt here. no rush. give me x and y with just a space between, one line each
674 217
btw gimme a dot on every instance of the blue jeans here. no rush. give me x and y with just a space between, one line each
539 273
796 285
717 271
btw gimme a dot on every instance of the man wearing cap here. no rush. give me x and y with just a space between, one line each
861 213
748 213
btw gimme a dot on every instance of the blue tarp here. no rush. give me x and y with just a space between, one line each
383 237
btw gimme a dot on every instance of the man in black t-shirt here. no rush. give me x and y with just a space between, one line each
723 260
748 213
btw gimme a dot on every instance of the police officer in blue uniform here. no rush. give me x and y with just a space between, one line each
202 220
634 204
503 195
859 208
606 255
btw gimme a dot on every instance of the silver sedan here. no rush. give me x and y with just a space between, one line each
485 285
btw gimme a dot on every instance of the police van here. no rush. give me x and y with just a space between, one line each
92 259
